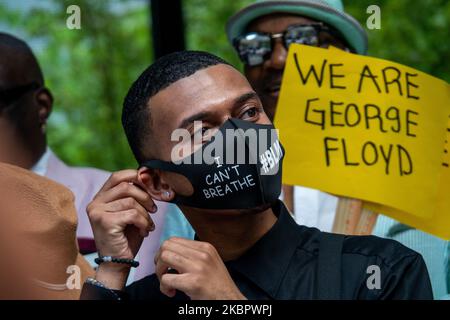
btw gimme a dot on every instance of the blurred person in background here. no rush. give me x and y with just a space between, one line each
25 107
261 34
270 27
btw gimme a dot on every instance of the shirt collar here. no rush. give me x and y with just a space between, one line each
266 263
40 167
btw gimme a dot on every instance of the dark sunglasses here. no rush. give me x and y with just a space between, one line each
256 47
11 95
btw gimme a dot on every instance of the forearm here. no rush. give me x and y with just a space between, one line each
108 284
112 275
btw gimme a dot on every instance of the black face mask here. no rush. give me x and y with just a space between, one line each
238 169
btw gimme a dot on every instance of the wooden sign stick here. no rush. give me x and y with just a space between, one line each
351 218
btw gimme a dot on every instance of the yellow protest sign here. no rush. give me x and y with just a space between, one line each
369 129
439 222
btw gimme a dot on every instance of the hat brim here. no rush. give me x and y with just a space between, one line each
348 27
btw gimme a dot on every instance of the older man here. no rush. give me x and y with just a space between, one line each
261 34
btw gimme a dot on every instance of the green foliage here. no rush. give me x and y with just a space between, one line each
205 26
90 70
414 33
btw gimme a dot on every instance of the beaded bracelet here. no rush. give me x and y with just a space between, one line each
99 284
130 262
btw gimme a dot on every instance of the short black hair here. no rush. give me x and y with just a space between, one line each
136 116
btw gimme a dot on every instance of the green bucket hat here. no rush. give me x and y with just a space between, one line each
330 12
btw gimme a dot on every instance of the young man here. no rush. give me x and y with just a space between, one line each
262 28
247 244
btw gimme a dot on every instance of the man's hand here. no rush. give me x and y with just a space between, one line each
201 272
119 216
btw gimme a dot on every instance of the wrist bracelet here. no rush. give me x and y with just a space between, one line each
97 283
130 262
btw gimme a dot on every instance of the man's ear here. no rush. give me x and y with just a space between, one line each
44 100
155 184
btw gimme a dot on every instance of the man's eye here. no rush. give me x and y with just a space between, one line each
201 132
250 113
205 131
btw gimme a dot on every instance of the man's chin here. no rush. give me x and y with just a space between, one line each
256 210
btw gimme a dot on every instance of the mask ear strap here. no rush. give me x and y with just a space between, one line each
167 166
163 165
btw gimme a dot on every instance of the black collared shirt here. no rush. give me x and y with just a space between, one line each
283 265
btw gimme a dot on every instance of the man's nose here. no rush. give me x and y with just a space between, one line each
278 57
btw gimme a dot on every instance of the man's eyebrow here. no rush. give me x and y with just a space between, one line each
195 117
205 114
245 97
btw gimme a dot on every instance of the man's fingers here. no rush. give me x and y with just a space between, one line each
194 244
190 253
128 190
170 282
169 259
134 217
125 204
129 175
162 268
170 292
166 289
